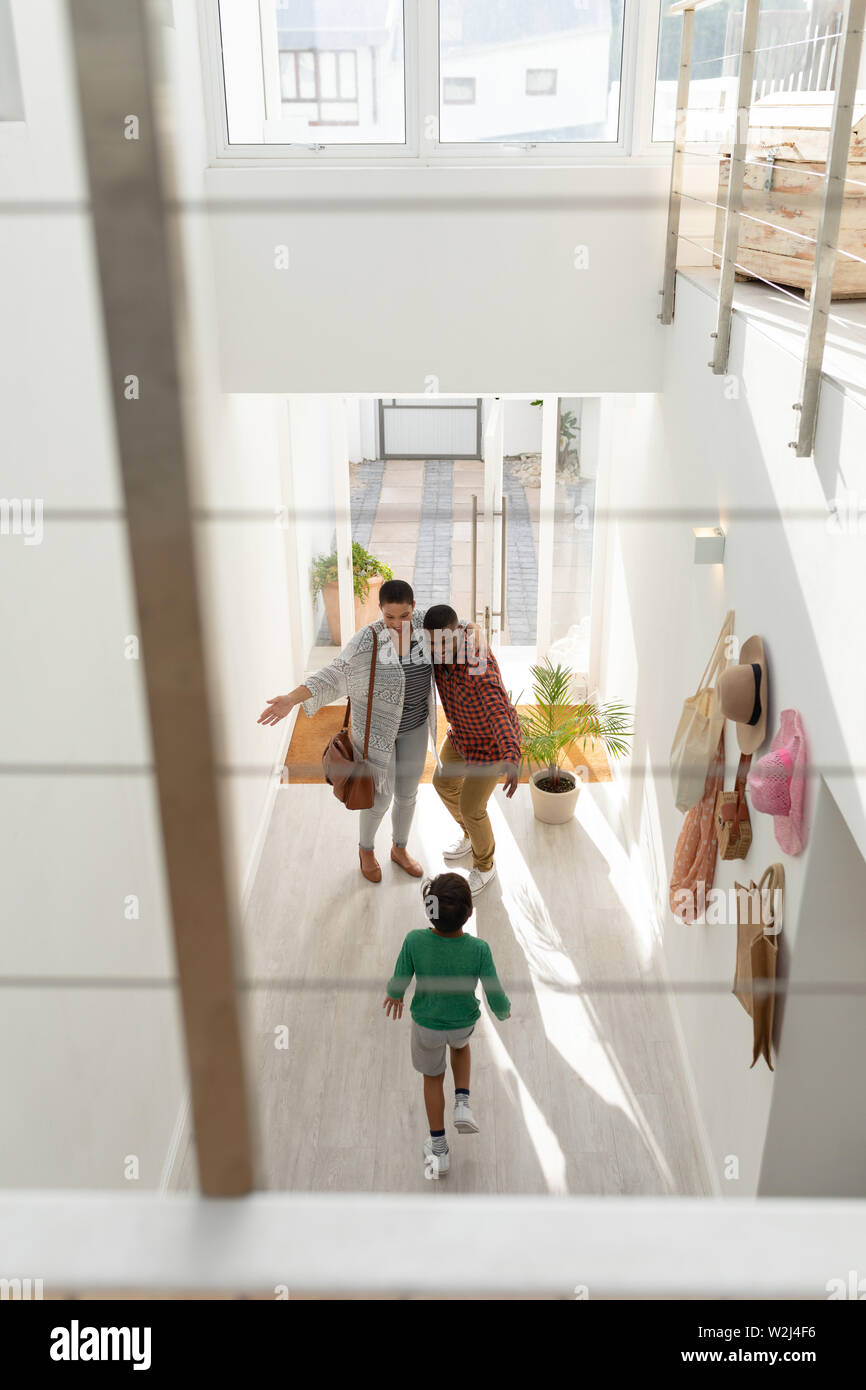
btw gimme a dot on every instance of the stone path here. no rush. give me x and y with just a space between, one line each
432 581
416 517
366 489
521 563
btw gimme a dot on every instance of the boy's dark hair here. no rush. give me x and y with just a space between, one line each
439 616
447 902
395 591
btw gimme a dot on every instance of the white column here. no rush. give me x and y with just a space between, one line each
343 509
546 522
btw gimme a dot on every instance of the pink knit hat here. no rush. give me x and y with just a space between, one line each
777 783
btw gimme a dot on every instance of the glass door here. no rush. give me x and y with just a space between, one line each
510 534
534 530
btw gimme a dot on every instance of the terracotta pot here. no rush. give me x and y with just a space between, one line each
553 808
365 612
369 611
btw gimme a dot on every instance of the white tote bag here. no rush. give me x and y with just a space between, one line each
701 723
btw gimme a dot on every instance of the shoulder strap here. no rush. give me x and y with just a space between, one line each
716 654
742 770
370 692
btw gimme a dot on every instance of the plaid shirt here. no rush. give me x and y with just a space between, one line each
484 727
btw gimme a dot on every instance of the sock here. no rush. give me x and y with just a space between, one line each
439 1143
461 1093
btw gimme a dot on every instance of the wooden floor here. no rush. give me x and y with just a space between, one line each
310 736
574 1093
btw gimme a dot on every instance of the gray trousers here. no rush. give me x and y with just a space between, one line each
407 765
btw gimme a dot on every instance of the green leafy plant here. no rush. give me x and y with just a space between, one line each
554 722
568 431
364 567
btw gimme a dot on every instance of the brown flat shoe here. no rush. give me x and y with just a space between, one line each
409 865
373 875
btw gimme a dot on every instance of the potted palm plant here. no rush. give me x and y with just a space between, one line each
551 726
368 573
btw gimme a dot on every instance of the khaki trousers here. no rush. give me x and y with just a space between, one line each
466 789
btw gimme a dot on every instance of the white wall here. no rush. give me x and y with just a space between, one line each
238 486
816 1136
313 506
93 1075
719 446
100 1074
466 275
361 428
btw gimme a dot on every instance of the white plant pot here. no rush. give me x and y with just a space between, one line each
554 808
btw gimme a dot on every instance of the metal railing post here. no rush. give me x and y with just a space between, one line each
828 225
736 180
675 199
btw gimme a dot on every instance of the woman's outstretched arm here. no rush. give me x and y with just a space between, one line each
326 685
278 706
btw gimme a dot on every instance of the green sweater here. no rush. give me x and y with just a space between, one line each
446 970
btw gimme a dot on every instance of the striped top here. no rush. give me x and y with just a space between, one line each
416 670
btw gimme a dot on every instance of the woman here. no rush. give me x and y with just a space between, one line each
403 717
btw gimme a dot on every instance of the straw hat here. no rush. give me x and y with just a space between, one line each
743 695
777 783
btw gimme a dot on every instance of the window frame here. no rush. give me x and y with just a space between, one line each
422 147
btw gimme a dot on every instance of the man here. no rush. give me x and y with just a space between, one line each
483 742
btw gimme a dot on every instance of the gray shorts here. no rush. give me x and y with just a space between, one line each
428 1046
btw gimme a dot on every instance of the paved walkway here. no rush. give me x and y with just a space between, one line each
416 517
521 562
432 580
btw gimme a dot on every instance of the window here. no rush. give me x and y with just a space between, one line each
325 82
295 68
458 90
419 79
541 82
509 47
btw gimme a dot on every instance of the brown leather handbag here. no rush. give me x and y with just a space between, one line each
733 826
351 780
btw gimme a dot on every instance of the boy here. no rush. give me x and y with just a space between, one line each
447 965
483 741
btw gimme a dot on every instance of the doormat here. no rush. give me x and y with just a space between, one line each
310 739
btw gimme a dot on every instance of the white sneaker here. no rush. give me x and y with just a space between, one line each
464 1120
435 1165
479 881
458 849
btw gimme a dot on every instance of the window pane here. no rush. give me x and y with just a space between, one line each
349 85
546 71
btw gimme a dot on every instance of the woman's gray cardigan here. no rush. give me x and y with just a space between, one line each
348 677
